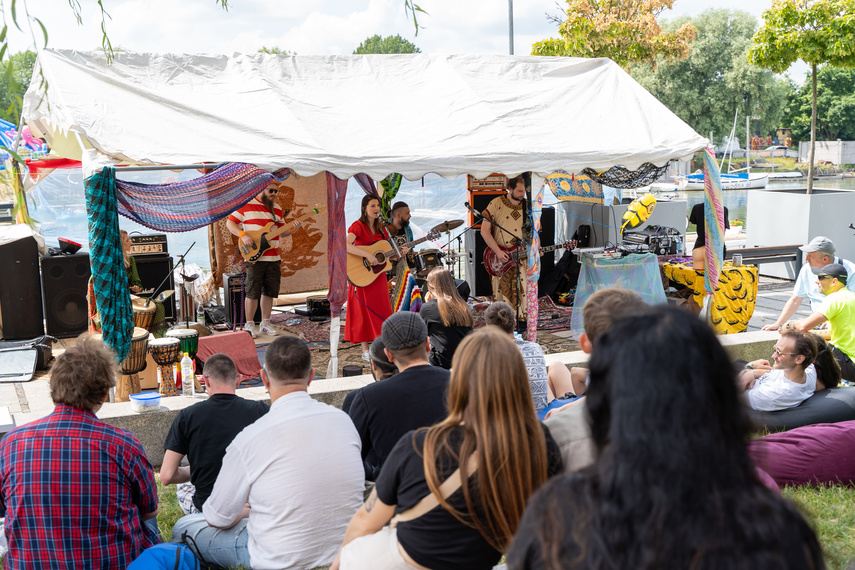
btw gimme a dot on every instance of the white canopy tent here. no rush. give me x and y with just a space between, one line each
377 114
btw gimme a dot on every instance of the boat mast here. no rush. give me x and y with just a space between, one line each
747 147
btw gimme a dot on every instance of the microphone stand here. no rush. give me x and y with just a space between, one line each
180 262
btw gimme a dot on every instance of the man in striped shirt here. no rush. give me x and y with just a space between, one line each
262 277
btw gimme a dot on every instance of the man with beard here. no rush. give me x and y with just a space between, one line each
792 379
262 277
400 226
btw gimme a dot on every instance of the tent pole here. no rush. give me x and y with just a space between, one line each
165 167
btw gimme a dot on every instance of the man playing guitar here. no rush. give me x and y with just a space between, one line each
262 277
508 212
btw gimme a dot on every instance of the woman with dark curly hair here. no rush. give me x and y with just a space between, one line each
673 485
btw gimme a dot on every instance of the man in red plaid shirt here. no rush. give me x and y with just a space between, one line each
76 492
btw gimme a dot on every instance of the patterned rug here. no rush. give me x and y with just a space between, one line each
551 319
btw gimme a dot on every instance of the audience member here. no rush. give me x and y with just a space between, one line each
203 431
414 397
501 315
447 316
289 482
838 309
76 492
569 424
673 485
818 253
790 381
381 369
459 488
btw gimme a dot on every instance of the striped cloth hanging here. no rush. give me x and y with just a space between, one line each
714 222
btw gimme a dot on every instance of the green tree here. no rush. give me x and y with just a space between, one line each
835 105
624 30
715 80
14 84
276 50
815 31
389 44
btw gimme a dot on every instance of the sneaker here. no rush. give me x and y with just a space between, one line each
267 328
250 328
365 356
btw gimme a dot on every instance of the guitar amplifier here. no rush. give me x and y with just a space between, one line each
148 244
233 297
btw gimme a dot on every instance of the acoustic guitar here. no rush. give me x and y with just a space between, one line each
361 273
261 238
496 268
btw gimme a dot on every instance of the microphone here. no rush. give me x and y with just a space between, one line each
478 215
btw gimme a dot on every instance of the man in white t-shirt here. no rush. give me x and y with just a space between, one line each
818 253
290 482
792 379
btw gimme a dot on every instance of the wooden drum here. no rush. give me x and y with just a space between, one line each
143 316
132 365
164 351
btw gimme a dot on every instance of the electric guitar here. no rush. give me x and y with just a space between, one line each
261 238
361 273
497 268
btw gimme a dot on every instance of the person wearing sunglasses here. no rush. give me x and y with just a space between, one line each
262 276
791 379
839 310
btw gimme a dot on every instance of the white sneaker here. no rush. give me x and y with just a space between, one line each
268 328
365 356
250 328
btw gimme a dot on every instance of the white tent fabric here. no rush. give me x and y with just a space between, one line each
377 114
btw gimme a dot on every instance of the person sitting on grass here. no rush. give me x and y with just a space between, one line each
203 431
791 379
76 492
673 485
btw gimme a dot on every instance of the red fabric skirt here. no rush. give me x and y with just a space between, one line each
367 308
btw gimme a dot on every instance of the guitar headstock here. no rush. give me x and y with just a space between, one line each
570 244
433 235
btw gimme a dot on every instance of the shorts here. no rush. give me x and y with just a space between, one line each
262 278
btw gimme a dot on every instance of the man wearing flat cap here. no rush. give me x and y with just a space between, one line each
818 253
839 310
413 398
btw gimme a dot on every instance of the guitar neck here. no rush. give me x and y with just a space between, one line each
273 233
517 255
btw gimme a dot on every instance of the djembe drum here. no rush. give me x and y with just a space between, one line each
189 343
132 365
164 351
143 315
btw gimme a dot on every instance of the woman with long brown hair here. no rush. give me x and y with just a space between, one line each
447 316
368 306
491 441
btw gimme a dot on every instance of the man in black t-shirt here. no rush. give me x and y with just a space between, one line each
414 397
203 431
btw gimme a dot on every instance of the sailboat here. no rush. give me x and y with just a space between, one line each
734 179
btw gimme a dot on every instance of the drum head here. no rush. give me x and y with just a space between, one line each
165 342
139 333
181 333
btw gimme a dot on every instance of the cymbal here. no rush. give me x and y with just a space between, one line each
447 226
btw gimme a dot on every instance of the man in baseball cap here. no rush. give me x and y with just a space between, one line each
414 397
819 252
839 310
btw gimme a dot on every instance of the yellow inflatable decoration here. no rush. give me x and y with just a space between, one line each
638 211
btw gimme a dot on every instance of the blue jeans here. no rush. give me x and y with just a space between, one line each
224 547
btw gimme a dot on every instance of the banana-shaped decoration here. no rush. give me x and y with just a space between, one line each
638 211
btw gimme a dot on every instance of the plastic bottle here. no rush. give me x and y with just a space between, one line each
200 314
188 379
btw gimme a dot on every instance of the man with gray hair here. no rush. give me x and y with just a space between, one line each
413 398
818 253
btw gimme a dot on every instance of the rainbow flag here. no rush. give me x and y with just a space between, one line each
714 221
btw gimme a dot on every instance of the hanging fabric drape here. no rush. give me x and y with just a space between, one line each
110 281
533 264
366 184
186 206
390 185
714 221
336 263
575 187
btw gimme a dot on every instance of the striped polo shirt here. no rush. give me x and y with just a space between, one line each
253 217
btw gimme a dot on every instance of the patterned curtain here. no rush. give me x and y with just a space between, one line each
336 263
110 281
533 260
714 222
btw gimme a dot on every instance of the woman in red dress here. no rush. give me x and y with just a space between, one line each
369 306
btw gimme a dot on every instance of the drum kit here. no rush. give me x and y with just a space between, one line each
427 259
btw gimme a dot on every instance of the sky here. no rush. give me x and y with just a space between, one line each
310 27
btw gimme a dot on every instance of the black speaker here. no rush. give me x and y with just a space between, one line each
21 293
64 282
476 273
233 297
153 269
547 238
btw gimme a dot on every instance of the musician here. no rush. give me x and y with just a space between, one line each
262 277
509 212
369 306
400 226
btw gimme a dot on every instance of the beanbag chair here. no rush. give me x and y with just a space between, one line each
809 455
828 406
